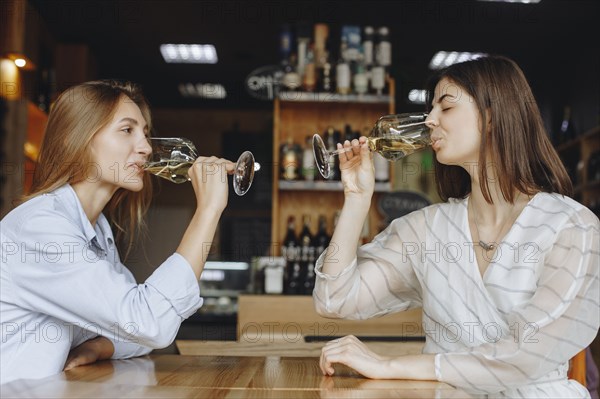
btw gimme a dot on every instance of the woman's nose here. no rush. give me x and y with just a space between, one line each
431 122
144 146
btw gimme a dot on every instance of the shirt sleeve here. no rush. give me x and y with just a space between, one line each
126 350
559 320
56 272
380 280
122 349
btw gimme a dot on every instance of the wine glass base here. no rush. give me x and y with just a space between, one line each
243 174
321 156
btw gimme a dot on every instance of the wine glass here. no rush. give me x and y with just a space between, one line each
393 136
173 156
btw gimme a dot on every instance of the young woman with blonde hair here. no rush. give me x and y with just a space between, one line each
66 298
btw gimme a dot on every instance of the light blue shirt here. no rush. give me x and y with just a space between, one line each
62 283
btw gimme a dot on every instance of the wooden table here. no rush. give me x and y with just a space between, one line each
177 376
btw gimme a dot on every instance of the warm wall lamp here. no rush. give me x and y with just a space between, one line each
21 61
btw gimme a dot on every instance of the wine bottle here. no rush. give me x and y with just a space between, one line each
306 238
383 52
290 245
307 257
290 252
309 80
309 279
321 238
342 71
308 161
367 46
289 160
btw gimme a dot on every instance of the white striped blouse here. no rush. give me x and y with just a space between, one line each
508 333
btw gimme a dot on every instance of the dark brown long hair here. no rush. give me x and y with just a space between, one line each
516 140
76 116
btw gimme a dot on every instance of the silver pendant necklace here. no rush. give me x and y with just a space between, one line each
488 246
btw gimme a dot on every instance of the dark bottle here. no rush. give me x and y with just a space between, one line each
294 279
322 238
290 242
326 75
306 242
309 279
290 251
307 253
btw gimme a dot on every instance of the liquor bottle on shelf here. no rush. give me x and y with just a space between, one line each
351 36
367 47
308 161
291 78
321 238
378 79
309 80
320 48
294 278
342 71
383 52
290 165
383 61
306 237
309 279
291 244
290 250
325 75
307 251
360 79
303 42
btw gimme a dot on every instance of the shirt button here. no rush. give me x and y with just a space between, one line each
110 241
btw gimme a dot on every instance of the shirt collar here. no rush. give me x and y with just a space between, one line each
74 209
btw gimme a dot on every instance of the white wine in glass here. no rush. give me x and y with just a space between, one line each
393 136
172 157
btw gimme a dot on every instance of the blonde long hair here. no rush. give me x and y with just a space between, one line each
76 116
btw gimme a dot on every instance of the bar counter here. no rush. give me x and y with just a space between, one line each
177 376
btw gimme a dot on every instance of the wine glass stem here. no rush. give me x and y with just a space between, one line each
343 150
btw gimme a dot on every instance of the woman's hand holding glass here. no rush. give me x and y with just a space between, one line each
357 168
208 176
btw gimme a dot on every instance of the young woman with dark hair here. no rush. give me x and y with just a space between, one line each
506 270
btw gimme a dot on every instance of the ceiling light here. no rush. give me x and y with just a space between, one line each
203 90
514 1
226 265
416 96
442 59
189 53
20 62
